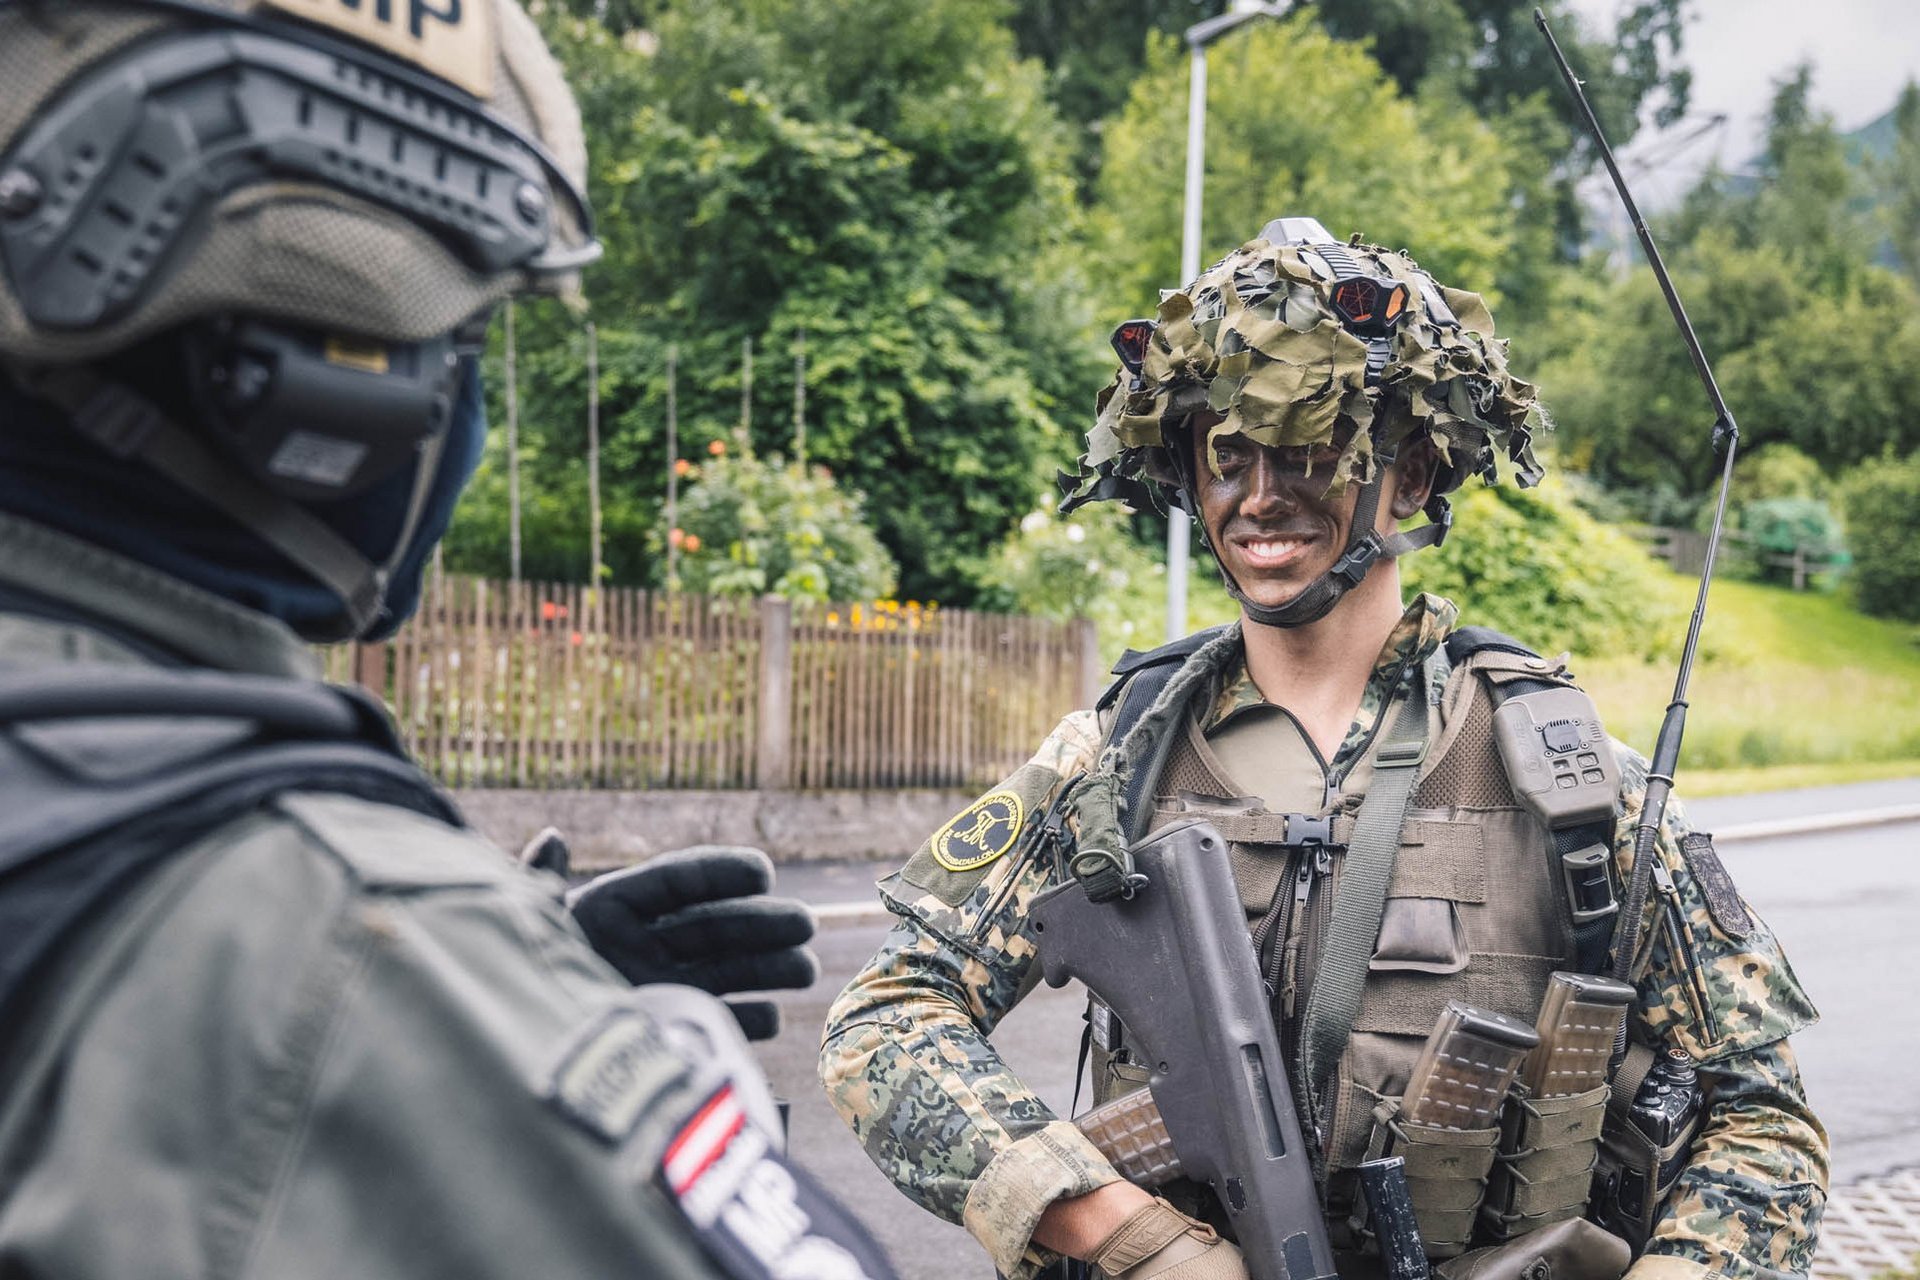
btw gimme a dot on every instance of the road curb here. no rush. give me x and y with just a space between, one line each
1816 824
855 913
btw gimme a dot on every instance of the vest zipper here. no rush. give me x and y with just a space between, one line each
1316 863
1681 945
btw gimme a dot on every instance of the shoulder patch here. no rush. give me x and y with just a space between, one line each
612 1072
451 39
1716 886
758 1216
980 833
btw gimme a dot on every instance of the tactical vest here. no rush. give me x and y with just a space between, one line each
1475 910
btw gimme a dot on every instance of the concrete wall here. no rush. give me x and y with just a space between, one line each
615 828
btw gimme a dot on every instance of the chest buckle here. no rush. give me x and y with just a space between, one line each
1305 831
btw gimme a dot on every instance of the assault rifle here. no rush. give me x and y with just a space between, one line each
1173 959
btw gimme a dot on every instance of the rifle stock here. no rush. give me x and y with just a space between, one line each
1175 963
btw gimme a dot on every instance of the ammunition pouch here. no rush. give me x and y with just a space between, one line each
1447 1172
1571 1250
1544 1171
1633 1174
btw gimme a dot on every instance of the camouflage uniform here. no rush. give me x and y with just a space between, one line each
906 1059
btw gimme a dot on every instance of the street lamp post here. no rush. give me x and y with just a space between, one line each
1199 36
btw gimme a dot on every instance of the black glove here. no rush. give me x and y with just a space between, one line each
701 917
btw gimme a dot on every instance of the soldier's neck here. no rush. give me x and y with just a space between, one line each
1319 672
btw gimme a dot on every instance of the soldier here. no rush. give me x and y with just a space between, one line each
1302 399
266 1006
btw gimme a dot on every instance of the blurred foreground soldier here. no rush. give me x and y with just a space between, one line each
266 1007
1421 819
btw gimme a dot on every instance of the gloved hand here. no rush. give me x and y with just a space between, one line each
1158 1242
701 917
1571 1250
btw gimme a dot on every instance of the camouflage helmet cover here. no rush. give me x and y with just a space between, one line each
1255 340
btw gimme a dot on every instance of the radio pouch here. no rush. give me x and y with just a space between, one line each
1446 1175
1633 1174
1543 1173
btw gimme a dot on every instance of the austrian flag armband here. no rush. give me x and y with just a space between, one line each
758 1216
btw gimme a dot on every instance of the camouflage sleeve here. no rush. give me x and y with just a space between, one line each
905 1059
1717 985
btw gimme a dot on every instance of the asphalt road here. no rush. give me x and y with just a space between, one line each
1844 905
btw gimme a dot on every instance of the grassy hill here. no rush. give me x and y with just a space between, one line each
1794 689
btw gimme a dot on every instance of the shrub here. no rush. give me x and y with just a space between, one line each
750 527
1882 502
1779 526
1531 563
1086 566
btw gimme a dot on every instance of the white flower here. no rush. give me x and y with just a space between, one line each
1033 522
1076 533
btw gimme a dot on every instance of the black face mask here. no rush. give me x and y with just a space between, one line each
51 474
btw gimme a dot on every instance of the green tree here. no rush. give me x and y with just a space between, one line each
1883 525
1093 50
1298 122
1486 52
1828 371
1089 565
1489 52
1813 345
888 179
1900 181
1531 563
748 527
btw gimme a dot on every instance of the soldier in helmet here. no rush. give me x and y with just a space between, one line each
1301 400
267 1007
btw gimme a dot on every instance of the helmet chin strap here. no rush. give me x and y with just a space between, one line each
1365 546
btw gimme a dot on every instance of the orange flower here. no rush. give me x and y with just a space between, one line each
718 448
692 543
682 467
675 537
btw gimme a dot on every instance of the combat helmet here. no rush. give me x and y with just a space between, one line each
318 204
1297 339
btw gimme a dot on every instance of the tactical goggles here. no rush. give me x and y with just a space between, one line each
105 187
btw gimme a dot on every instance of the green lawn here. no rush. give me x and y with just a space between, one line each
1793 689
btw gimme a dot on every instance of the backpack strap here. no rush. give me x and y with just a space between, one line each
1592 936
107 771
1141 679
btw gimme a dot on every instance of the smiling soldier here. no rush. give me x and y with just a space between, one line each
1302 399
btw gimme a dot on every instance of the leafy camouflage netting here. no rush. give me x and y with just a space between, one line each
1255 339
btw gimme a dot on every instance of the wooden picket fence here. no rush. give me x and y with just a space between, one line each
550 686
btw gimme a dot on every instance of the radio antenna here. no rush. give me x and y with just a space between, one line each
1666 751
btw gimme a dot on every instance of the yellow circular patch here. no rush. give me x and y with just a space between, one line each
980 833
